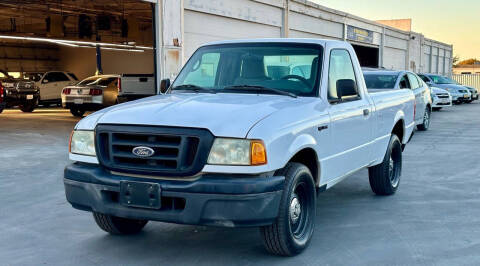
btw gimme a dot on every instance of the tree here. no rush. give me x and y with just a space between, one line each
468 62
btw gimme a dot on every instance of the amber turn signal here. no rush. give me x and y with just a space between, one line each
258 153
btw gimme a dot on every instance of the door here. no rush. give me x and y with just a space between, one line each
419 92
47 86
351 120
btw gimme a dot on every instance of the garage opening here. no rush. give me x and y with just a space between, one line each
367 56
57 43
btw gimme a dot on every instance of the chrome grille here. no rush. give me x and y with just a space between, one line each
178 152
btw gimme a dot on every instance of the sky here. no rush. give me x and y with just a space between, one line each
453 22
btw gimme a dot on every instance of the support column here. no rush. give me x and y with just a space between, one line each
285 15
99 60
169 39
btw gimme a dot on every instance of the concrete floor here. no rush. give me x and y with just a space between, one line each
434 219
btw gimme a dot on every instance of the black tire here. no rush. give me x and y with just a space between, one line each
1 110
385 177
117 225
292 231
437 109
77 112
28 107
426 120
469 101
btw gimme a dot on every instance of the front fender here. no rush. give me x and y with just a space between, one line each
299 143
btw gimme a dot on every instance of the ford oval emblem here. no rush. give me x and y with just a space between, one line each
142 151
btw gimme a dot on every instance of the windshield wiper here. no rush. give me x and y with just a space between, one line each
260 88
194 88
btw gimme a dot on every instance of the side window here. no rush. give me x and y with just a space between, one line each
424 78
59 76
341 75
50 77
420 81
404 83
413 81
204 71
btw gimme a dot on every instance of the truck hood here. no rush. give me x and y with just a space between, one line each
224 114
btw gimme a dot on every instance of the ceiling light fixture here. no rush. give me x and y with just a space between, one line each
79 43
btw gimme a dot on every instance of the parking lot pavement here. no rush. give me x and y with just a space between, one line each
433 219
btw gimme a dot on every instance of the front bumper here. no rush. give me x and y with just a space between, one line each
460 98
441 102
14 98
209 200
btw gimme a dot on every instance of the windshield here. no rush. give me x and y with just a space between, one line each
237 68
380 81
442 80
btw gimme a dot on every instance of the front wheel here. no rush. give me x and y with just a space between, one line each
437 108
385 177
426 121
77 112
117 225
28 107
292 231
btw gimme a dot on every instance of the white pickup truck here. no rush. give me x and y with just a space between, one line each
230 145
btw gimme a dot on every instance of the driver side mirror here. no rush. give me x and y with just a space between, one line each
164 85
346 88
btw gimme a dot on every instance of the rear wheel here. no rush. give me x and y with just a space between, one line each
117 225
426 121
77 112
292 231
385 177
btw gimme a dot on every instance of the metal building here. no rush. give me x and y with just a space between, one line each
185 25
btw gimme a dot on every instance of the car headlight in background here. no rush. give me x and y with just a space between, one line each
226 151
83 142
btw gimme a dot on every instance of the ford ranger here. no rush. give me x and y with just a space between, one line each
241 138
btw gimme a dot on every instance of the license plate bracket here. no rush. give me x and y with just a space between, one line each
140 195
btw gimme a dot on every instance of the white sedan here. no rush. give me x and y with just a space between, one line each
440 98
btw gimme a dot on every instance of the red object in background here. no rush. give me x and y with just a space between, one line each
2 91
95 92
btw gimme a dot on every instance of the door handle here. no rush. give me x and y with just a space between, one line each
320 128
366 112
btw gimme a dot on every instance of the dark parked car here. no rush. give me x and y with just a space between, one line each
18 92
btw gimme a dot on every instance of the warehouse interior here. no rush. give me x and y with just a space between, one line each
83 37
367 56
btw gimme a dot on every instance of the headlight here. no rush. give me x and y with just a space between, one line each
237 152
83 142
